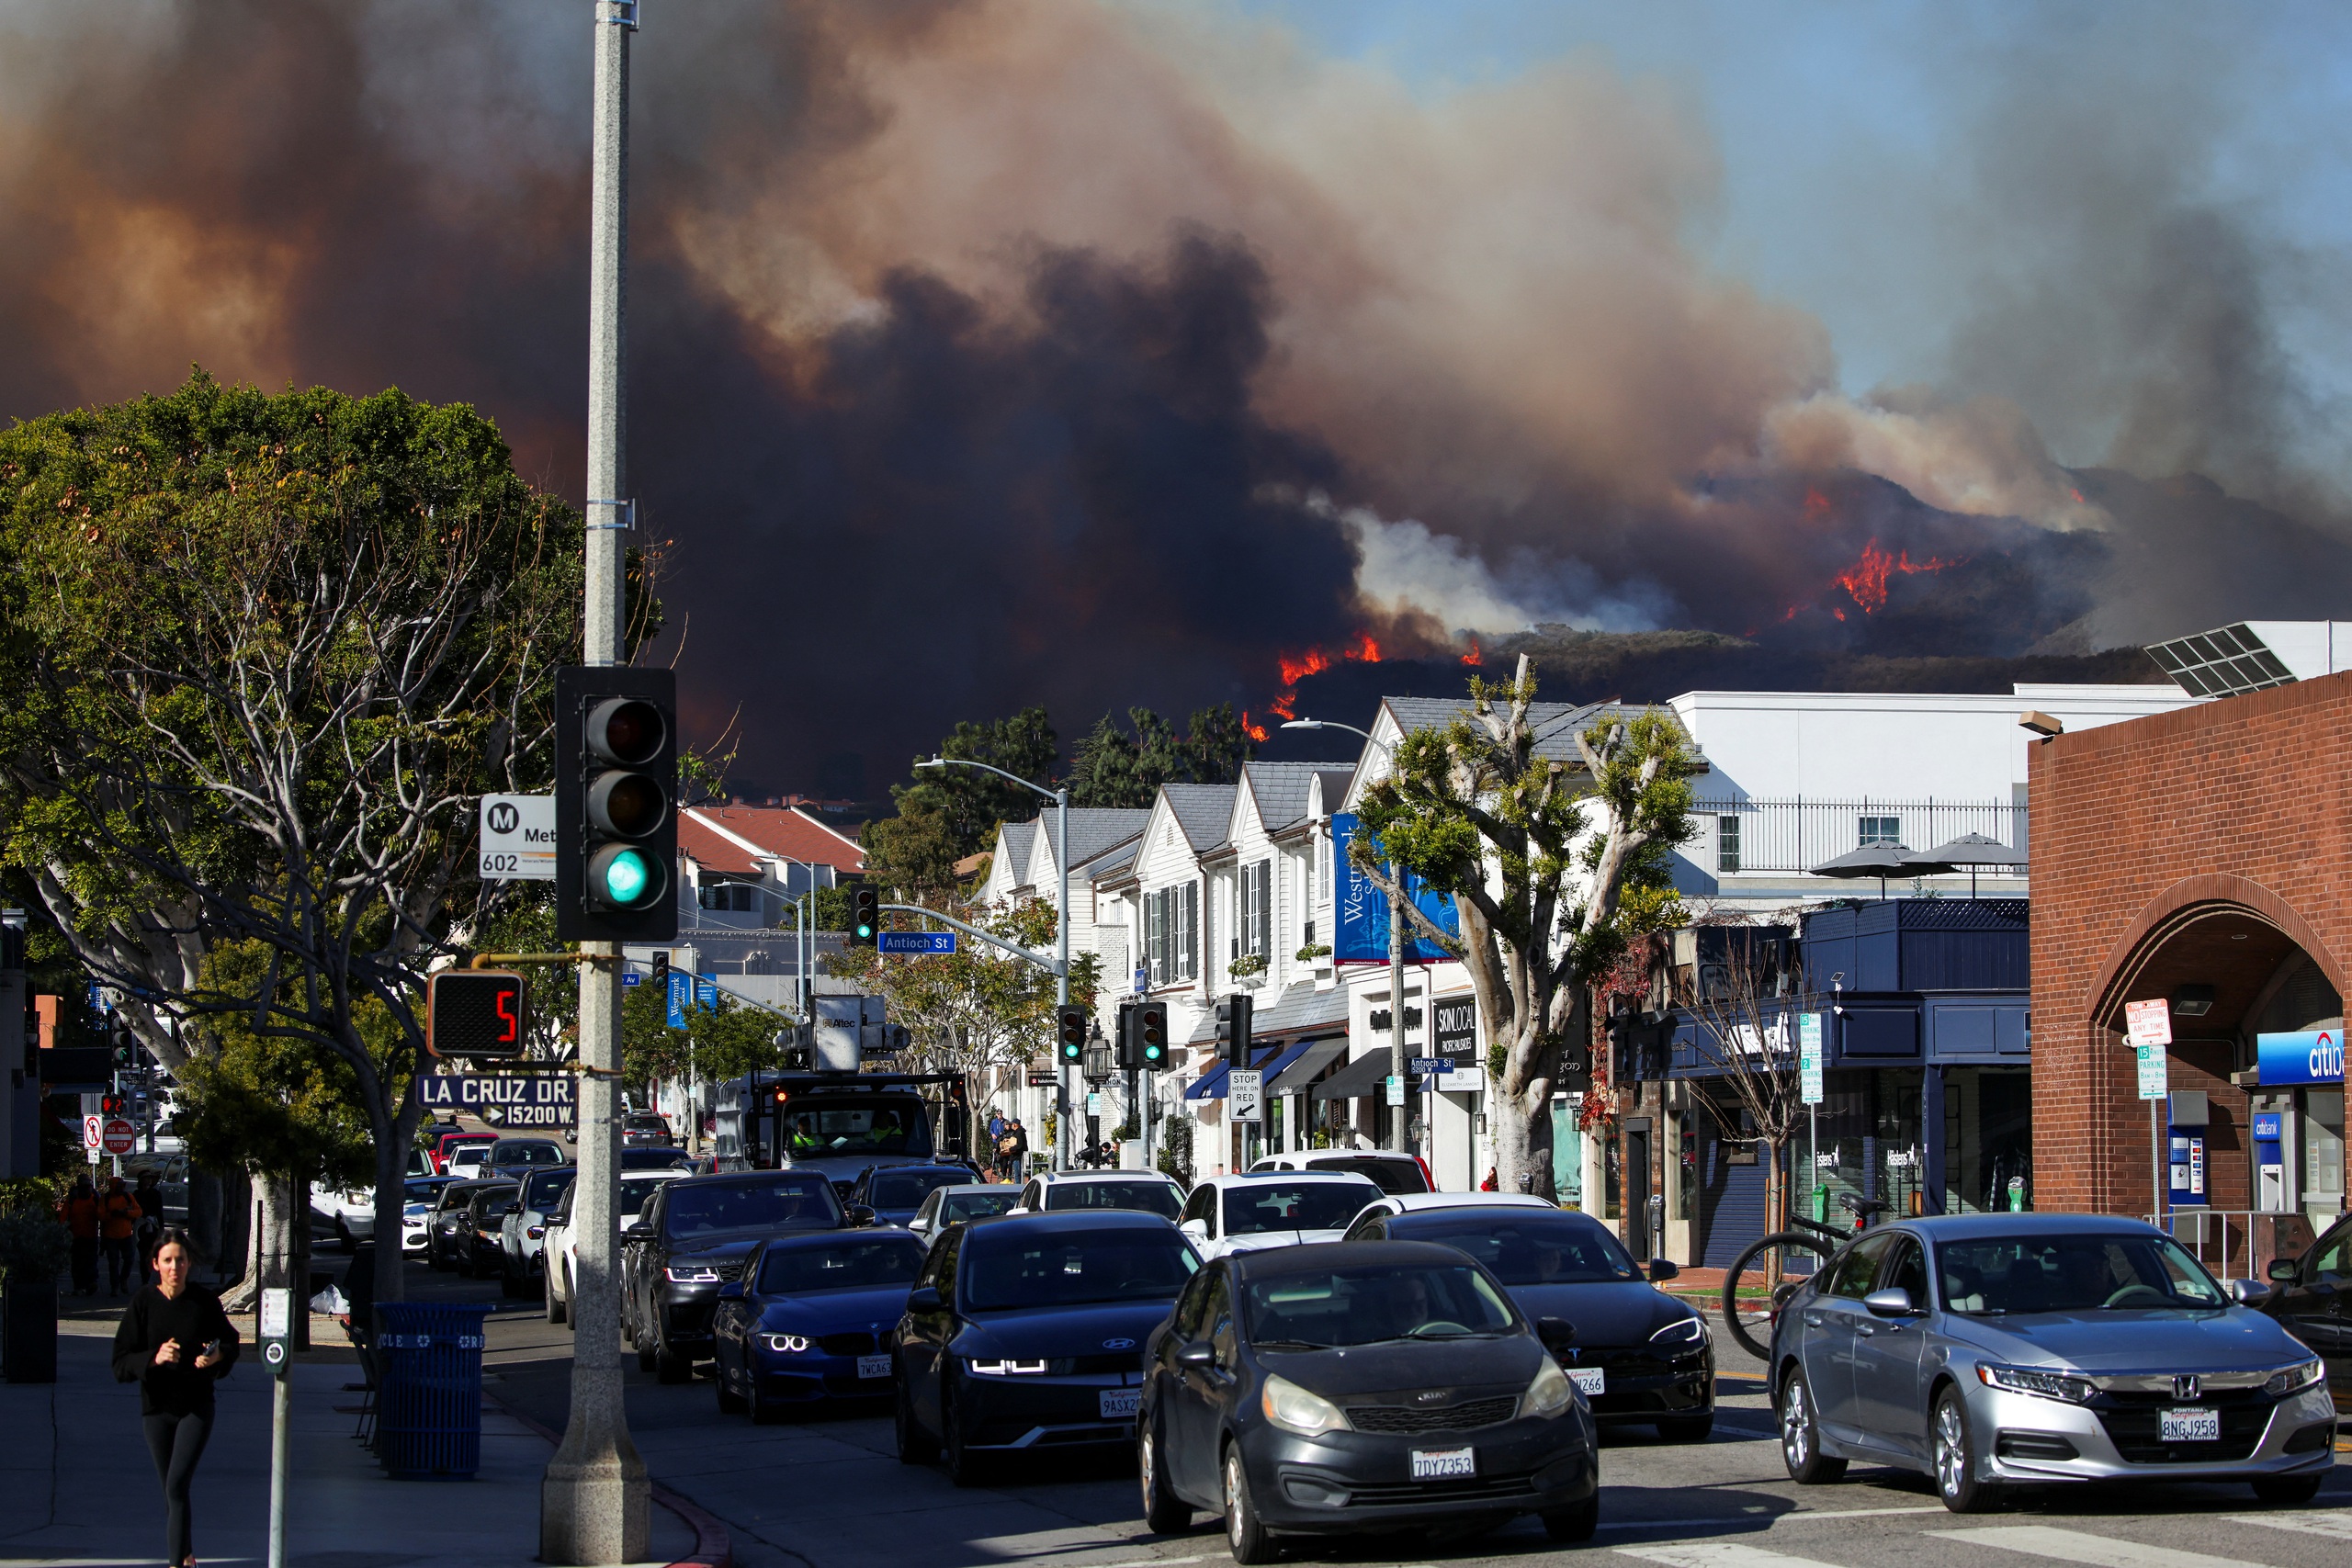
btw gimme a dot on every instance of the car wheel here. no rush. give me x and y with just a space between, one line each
915 1445
963 1466
671 1367
1956 1459
1800 1436
553 1307
342 1234
644 1357
1574 1524
2289 1488
433 1256
729 1402
1163 1512
1245 1535
1687 1428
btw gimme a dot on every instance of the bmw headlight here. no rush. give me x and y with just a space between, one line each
1682 1334
2067 1386
785 1343
1550 1394
1296 1409
691 1274
1005 1368
2291 1379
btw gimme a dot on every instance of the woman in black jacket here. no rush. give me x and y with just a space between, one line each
176 1343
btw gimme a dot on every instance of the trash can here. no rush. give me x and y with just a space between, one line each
428 1405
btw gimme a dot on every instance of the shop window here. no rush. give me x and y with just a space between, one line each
1726 843
1880 830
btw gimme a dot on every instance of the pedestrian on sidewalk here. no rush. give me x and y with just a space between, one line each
118 1234
80 1212
1013 1149
176 1342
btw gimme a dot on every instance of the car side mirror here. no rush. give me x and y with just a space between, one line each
925 1298
1662 1268
1893 1301
1197 1229
2249 1292
858 1215
731 1291
638 1232
1557 1333
1199 1353
2284 1270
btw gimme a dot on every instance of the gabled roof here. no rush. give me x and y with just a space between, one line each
1202 811
1015 865
1118 857
737 838
1092 830
1279 789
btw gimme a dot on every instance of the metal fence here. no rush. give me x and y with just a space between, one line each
1782 836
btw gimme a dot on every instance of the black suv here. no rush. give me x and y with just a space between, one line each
691 1236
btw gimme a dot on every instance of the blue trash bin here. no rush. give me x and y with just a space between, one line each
428 1405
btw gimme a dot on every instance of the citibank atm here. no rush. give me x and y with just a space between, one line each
2189 1118
2270 1162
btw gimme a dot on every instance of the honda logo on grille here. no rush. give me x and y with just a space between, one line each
2186 1386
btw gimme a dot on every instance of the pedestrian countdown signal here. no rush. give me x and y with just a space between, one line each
472 1015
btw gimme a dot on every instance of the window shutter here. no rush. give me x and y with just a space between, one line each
1192 930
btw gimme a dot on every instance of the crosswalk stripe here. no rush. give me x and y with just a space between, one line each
1716 1554
1766 1521
2334 1521
2091 1550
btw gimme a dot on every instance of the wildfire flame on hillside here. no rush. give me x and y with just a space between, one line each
1314 661
1867 579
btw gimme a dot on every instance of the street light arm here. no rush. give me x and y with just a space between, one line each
1335 723
1051 966
968 763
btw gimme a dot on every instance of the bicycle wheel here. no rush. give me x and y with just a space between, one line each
1762 1279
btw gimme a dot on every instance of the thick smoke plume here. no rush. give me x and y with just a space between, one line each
1005 351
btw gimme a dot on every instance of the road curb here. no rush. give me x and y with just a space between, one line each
713 1547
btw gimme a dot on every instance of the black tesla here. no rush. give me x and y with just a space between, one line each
1641 1357
1360 1386
1025 1334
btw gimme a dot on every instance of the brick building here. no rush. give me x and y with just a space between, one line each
2202 856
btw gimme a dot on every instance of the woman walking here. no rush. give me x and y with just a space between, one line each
176 1343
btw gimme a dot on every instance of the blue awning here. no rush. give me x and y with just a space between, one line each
1283 1058
1210 1085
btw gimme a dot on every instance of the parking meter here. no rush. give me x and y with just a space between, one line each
276 1330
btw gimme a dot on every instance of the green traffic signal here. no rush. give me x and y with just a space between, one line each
622 877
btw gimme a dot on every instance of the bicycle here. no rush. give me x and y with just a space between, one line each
1811 1246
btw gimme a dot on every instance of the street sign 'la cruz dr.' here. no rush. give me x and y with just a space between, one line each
503 1099
518 838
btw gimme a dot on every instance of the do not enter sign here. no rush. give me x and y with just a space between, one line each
120 1136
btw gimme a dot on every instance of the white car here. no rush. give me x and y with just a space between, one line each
1051 1192
945 1206
1388 1171
562 1249
469 1161
417 1211
353 1214
1415 1203
1275 1208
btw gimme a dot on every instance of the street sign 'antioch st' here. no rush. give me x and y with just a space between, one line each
503 1099
518 838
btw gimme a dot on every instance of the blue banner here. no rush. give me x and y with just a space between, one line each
1363 910
680 997
2311 1056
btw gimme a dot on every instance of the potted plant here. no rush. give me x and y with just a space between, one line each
34 1251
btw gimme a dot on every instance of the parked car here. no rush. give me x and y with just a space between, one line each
1355 1388
1023 1335
1274 1208
561 1248
646 1127
351 1215
448 1141
1990 1349
450 1237
469 1160
691 1236
960 1205
418 1195
1051 1192
484 1208
2310 1297
654 1158
1389 1173
1416 1202
1641 1357
523 1226
811 1320
511 1158
895 1192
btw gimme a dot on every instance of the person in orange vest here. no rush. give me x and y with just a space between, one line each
80 1212
118 1215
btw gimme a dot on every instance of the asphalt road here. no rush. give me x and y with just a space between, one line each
828 1492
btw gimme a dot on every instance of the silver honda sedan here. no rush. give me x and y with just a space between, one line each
1988 1350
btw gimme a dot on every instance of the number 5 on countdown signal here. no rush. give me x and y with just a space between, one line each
475 1014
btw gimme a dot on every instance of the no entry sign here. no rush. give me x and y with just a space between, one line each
120 1137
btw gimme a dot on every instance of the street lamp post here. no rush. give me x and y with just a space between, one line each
1400 1124
1063 1142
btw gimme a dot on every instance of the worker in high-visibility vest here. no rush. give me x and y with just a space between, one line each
80 1212
118 1215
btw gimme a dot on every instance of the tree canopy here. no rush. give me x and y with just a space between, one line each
1126 767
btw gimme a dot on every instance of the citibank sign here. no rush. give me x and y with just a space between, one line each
2311 1056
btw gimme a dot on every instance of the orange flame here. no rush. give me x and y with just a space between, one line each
1254 731
1816 506
1475 656
1868 578
1314 661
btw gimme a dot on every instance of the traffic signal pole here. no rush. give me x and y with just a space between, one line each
594 1497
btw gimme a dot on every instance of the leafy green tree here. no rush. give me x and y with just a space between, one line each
1548 892
912 857
1116 767
716 1045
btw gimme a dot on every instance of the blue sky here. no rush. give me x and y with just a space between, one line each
1859 141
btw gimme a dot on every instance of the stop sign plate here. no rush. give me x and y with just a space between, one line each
121 1137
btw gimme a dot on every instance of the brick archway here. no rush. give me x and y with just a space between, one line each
2187 901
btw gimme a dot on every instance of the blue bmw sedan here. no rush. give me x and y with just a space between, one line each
812 1320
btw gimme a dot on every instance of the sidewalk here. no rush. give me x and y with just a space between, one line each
77 1487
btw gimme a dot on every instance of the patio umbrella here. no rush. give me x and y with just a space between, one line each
1881 861
1972 850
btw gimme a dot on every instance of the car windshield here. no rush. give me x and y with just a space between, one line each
654 1159
1370 1304
544 1186
959 1206
814 1128
892 1259
2072 1273
1007 1268
804 1200
1151 1197
635 1191
1271 1204
423 1191
488 1197
1392 1175
908 1189
525 1153
1525 1248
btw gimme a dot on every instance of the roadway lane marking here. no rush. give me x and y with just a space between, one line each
2335 1522
1716 1554
1768 1521
2091 1550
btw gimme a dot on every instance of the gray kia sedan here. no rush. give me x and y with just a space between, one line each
1988 1350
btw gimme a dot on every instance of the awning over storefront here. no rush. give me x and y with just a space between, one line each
1303 1063
1210 1085
1366 1074
1295 1008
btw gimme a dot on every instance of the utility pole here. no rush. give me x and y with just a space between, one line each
1400 1113
593 1500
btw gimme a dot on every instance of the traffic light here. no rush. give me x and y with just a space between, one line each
616 808
110 1104
475 1014
126 1046
1069 1032
657 973
1233 1020
1127 1041
865 914
1151 1034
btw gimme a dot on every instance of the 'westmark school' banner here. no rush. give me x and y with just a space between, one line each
1362 936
